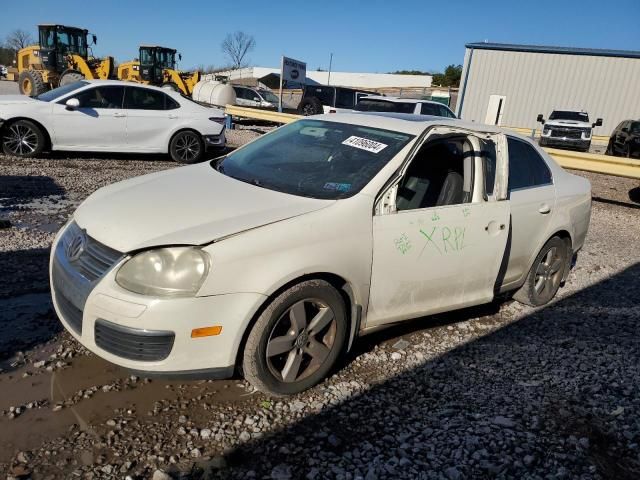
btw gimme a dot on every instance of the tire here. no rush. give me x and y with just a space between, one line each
609 150
70 76
310 106
23 139
546 274
30 83
285 353
186 147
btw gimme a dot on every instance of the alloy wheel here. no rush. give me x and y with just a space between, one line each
308 110
549 273
301 340
187 147
21 140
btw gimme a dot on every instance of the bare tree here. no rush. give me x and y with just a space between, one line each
18 39
236 46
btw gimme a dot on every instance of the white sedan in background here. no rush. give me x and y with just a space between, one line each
277 256
109 116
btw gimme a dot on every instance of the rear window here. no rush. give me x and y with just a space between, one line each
376 105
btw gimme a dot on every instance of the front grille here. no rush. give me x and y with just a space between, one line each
95 258
133 343
573 133
73 280
71 314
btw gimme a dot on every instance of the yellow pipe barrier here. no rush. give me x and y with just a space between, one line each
589 162
267 115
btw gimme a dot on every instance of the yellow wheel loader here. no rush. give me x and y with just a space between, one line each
61 57
157 66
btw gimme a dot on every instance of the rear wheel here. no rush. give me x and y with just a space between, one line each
610 150
23 139
297 340
186 147
310 106
545 276
30 83
70 76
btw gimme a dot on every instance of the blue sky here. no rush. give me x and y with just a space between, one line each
372 36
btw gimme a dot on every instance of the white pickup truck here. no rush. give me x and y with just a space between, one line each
567 129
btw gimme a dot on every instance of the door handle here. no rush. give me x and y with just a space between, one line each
172 116
119 115
544 209
502 226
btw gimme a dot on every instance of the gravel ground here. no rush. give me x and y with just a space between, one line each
500 391
8 88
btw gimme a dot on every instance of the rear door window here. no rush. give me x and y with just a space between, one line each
345 98
527 169
430 109
145 99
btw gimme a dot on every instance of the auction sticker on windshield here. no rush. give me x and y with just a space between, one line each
364 144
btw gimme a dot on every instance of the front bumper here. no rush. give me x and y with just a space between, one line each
565 142
146 334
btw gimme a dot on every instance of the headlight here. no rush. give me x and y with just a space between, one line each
176 271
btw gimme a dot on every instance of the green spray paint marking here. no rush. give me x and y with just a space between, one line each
403 244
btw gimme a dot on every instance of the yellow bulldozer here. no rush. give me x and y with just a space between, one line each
157 66
62 56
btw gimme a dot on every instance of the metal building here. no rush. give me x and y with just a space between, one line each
510 85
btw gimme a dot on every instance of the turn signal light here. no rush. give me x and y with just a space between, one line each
206 331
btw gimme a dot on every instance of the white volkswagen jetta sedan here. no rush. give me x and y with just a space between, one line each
109 116
276 257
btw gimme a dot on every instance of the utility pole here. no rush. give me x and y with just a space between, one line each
329 76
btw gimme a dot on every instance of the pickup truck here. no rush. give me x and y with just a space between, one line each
567 129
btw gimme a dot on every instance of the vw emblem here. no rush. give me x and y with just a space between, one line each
76 247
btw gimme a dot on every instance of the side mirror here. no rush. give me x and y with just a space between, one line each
256 99
72 104
625 129
95 40
540 119
598 123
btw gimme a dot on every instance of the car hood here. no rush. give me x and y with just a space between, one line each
15 99
184 206
567 123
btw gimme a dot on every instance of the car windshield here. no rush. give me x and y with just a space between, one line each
375 105
268 96
314 158
60 91
573 116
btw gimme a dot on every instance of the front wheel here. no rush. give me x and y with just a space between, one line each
186 147
545 276
70 76
23 139
297 340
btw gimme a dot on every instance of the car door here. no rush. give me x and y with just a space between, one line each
442 257
532 197
99 123
151 117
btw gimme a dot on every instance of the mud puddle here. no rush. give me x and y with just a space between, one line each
90 392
